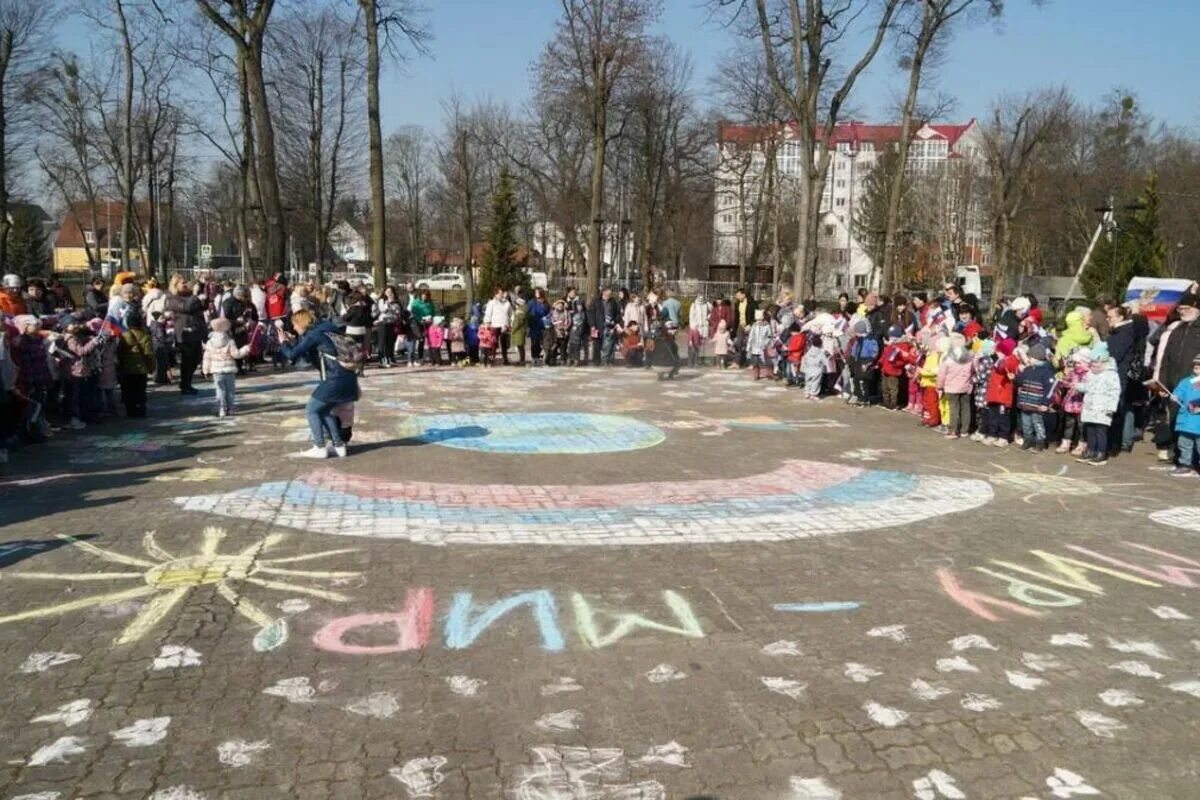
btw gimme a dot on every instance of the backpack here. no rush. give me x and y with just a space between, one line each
350 354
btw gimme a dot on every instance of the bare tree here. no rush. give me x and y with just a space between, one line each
395 19
459 166
407 154
24 31
316 74
800 40
595 47
1014 140
925 27
244 23
66 150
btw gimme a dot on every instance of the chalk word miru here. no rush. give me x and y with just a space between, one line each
411 627
1036 590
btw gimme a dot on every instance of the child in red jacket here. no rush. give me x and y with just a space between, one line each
1000 393
898 355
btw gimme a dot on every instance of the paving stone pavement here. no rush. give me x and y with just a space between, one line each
559 584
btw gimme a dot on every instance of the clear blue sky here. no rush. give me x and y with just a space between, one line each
484 49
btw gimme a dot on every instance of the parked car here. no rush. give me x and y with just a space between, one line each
443 280
537 280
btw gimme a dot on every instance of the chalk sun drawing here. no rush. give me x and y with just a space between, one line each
1138 669
40 662
1119 698
1057 485
935 784
420 776
1064 783
924 690
239 752
571 773
525 433
883 715
57 751
785 686
143 732
1100 725
168 579
797 500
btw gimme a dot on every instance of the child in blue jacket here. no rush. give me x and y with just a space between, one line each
1187 421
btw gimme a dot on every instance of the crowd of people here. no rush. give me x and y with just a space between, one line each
1091 386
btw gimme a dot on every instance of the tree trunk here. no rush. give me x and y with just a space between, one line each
599 147
6 49
800 281
127 135
275 251
891 284
468 220
375 144
1002 233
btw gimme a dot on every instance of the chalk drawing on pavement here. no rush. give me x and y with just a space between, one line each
797 500
1185 517
167 579
530 433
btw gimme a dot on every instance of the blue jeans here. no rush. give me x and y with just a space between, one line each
225 384
1033 427
321 421
1186 442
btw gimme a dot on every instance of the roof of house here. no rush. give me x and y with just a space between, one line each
854 132
79 216
445 257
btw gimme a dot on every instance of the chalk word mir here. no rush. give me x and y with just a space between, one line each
411 627
1028 586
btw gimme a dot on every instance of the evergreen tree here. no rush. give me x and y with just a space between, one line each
500 269
27 255
1135 248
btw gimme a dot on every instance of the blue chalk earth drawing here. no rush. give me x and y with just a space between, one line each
552 433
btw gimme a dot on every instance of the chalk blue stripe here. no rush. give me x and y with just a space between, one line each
828 605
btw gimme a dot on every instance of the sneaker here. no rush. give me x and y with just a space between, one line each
313 452
1086 458
1098 461
1026 445
1039 447
1182 472
978 437
339 450
76 424
222 414
1063 448
1164 455
1000 443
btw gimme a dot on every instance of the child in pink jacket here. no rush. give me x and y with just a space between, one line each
955 381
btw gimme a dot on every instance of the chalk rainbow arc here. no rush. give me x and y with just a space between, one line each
797 500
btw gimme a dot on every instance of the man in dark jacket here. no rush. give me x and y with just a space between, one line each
744 307
1179 344
96 298
603 317
188 314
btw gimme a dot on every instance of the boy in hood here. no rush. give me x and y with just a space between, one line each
1187 421
898 355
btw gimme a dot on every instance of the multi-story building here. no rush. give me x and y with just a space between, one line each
940 158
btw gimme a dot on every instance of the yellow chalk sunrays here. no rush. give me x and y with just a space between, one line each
168 579
1038 484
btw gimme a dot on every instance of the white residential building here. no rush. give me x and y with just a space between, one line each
348 243
844 263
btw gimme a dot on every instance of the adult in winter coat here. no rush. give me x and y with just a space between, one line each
603 320
535 318
698 330
1177 347
497 315
313 341
188 314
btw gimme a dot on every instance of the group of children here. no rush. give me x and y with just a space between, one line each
999 389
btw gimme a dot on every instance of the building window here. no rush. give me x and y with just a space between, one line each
839 279
841 256
843 147
841 184
841 201
727 219
89 237
829 230
867 147
860 281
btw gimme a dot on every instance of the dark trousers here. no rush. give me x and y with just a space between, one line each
535 344
1097 439
999 421
670 348
385 340
891 391
162 363
960 412
189 359
1072 429
558 355
133 395
503 342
